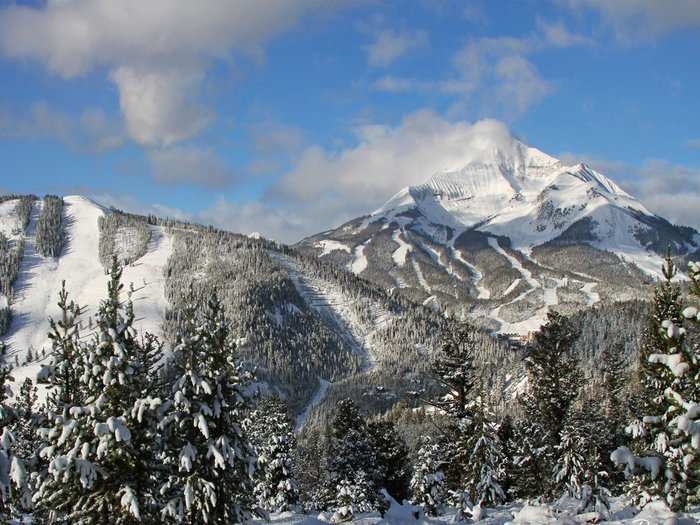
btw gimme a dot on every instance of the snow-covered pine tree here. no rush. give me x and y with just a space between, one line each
13 474
272 436
428 481
485 465
616 407
553 384
209 458
527 464
351 454
666 437
95 474
580 467
392 458
29 418
453 368
352 497
66 362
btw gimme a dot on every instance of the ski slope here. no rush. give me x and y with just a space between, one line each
40 278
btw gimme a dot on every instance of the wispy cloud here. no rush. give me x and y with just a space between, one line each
390 45
91 130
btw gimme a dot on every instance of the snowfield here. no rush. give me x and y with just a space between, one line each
517 513
40 279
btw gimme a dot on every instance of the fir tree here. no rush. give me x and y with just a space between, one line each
527 464
13 474
453 368
428 482
272 436
351 455
663 462
209 458
95 474
485 465
392 458
581 453
554 381
28 420
66 360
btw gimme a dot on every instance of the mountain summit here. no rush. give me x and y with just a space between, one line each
512 231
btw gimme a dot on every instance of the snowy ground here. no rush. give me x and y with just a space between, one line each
518 513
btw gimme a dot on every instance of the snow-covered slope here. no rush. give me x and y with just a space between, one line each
518 230
40 278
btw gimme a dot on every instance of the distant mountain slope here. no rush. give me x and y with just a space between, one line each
311 330
506 237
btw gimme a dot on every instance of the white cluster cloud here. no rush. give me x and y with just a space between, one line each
328 187
156 50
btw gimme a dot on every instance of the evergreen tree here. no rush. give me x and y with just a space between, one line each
616 405
95 473
553 381
209 459
392 458
453 368
485 465
428 481
66 362
272 436
352 497
663 462
28 420
13 474
527 463
351 455
581 453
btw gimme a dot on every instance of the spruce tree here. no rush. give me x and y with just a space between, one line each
553 384
13 474
95 473
484 468
28 419
428 481
351 455
66 361
272 436
207 454
528 463
663 462
581 453
453 368
392 458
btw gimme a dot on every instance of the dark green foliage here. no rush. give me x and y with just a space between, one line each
49 227
392 458
554 381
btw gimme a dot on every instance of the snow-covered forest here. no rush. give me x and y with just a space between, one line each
276 386
128 434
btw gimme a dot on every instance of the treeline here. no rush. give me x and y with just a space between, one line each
11 253
124 235
49 227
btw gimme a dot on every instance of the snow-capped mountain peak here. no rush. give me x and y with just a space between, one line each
513 226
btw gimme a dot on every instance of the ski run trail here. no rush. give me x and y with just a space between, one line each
39 281
335 308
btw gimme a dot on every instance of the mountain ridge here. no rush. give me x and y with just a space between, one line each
521 213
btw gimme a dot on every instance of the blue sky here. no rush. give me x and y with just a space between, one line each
291 116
